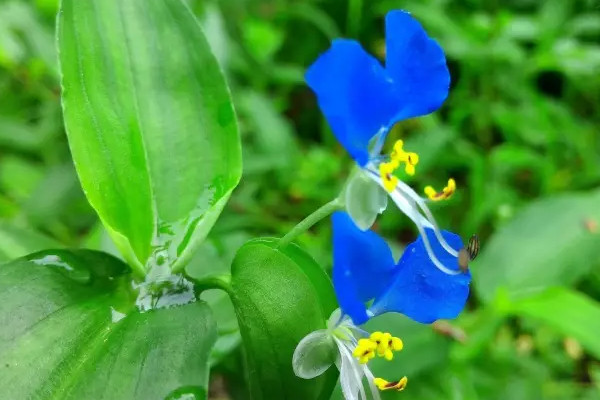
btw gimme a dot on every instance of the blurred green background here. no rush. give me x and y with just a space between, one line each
520 133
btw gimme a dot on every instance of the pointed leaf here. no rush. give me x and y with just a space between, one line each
150 124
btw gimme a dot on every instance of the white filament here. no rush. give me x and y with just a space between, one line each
371 379
350 374
421 202
405 198
401 201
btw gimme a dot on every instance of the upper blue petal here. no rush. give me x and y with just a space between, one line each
417 65
355 94
420 290
360 98
362 266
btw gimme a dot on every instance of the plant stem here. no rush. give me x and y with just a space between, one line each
308 222
222 282
353 17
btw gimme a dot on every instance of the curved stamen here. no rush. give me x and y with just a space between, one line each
432 255
423 206
408 191
407 205
371 379
400 201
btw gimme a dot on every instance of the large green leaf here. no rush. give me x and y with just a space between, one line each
552 242
280 295
570 313
150 124
69 330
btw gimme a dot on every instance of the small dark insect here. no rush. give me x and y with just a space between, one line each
473 247
468 254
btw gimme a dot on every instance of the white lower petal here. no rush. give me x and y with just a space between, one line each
315 353
365 199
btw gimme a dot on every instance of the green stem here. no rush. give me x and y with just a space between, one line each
353 17
308 222
222 282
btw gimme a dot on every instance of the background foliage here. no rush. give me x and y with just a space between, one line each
519 133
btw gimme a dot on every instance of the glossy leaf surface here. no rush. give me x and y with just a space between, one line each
69 330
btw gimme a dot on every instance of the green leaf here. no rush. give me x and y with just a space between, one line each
273 137
570 313
150 124
69 330
16 135
551 242
18 177
17 242
280 296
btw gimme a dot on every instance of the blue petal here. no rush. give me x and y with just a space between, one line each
417 65
362 266
421 291
355 93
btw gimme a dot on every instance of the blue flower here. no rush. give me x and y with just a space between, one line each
362 100
364 270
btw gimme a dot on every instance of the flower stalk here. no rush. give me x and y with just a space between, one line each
307 223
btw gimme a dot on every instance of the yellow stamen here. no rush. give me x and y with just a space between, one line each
400 156
365 351
382 384
448 191
386 344
386 172
397 344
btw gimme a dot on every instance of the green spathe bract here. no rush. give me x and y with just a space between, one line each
69 330
150 124
280 295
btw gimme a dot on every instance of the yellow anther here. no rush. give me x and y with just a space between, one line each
386 344
400 156
365 350
397 344
448 191
386 172
382 384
